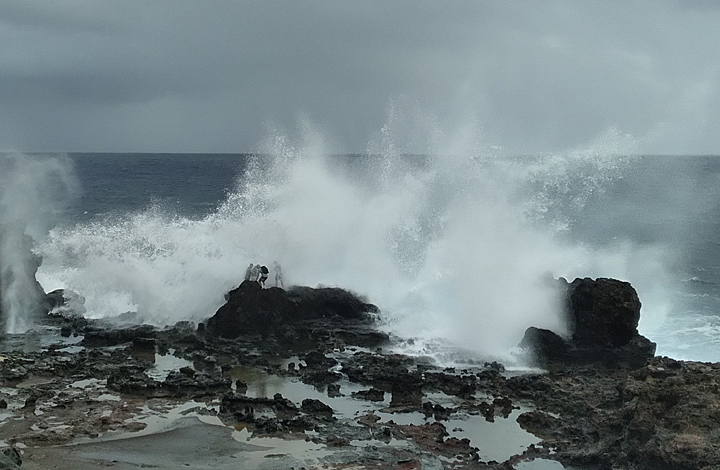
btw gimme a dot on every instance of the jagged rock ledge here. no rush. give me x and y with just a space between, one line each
607 402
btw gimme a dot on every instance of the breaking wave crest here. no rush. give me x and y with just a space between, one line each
454 248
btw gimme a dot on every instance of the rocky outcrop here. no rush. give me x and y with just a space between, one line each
64 302
251 309
602 312
602 315
662 416
326 302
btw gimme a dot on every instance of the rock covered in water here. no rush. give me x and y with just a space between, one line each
64 302
602 315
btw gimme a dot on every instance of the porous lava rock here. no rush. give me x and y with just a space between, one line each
602 316
602 312
328 302
250 309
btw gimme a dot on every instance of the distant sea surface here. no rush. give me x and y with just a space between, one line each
190 184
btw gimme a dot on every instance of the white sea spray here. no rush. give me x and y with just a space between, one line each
33 190
454 245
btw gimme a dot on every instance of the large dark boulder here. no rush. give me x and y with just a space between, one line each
329 302
545 344
602 316
602 312
250 309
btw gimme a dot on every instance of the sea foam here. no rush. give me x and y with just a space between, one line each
455 247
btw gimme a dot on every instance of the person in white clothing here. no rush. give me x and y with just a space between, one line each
279 281
248 272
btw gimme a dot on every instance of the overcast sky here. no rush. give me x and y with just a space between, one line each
212 76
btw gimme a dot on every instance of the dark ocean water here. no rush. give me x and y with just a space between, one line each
147 226
191 185
674 203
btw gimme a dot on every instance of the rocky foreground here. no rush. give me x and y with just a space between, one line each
302 379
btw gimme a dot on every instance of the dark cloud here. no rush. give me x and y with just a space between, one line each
209 76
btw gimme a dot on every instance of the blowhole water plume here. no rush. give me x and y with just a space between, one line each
33 191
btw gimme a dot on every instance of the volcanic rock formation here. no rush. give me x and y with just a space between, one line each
298 315
603 316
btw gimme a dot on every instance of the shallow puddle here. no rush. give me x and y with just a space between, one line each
33 382
498 440
282 453
85 383
41 339
261 384
540 464
164 364
160 419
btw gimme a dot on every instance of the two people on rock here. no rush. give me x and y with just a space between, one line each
256 273
260 274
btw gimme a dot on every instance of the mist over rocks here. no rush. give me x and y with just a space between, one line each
23 301
33 191
21 295
602 316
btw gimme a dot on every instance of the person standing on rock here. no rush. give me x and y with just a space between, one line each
248 272
255 273
263 275
279 281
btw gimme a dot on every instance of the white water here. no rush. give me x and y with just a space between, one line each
453 250
32 193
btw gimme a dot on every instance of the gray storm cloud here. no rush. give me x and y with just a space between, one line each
208 77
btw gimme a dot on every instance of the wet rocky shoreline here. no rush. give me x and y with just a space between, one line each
307 370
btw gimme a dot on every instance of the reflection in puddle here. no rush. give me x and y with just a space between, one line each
498 440
260 384
85 383
40 339
33 382
540 464
164 364
283 453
